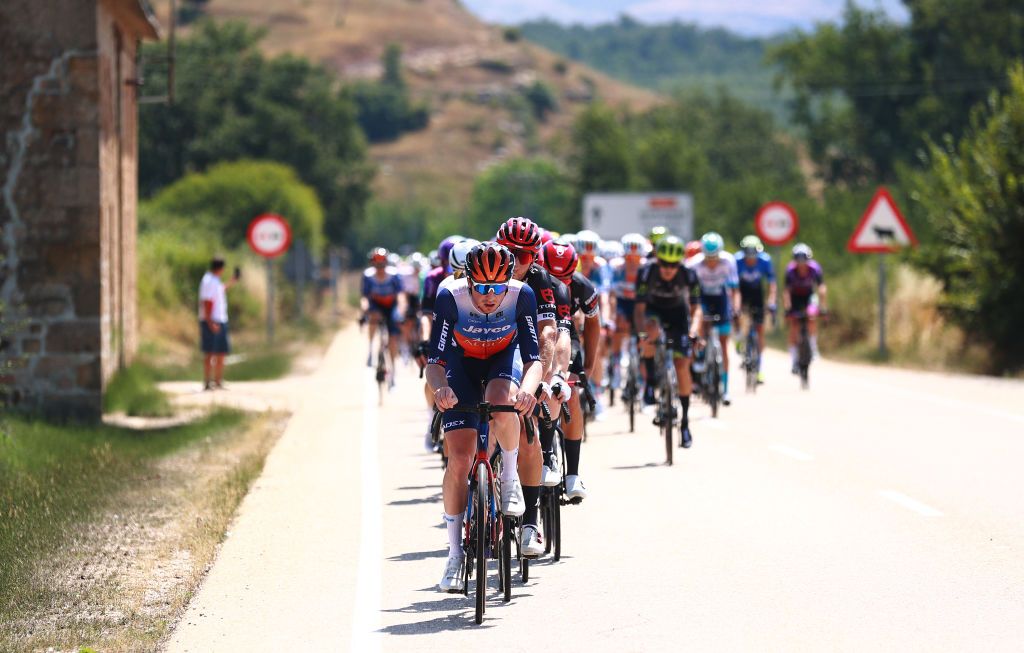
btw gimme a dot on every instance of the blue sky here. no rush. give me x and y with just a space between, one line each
751 17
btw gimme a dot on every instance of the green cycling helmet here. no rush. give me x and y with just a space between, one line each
657 234
670 250
752 242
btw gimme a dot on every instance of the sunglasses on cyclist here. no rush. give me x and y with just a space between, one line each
488 288
524 256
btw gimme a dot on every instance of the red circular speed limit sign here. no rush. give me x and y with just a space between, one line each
269 235
776 223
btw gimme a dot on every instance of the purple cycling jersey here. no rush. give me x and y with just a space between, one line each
430 285
803 285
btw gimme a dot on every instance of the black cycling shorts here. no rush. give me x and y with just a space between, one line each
676 323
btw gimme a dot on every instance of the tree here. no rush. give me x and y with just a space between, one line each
384 107
601 152
534 188
224 200
972 194
232 103
870 92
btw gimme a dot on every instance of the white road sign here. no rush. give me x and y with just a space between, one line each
614 215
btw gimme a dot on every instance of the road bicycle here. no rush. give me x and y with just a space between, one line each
631 390
588 403
668 390
488 533
804 354
384 373
710 370
751 355
553 498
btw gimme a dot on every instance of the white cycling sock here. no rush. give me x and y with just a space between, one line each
509 464
454 524
792 353
814 344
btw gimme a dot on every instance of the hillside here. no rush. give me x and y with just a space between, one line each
471 75
667 56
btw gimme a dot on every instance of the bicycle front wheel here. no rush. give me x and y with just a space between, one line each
506 557
482 505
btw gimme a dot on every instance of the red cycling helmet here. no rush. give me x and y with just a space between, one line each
693 248
520 233
378 255
490 262
545 236
560 259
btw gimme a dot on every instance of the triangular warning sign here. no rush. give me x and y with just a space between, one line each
882 228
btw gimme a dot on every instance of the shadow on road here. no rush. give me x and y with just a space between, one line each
436 498
460 617
644 466
419 555
419 487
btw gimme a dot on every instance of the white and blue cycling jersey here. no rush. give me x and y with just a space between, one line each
715 284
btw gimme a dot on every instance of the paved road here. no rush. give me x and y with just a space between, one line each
881 510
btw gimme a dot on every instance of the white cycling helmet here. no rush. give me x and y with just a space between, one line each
801 249
634 244
457 257
611 249
587 242
434 259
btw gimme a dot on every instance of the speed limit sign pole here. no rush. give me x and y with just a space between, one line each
776 224
269 236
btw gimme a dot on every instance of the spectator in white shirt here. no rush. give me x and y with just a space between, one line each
213 323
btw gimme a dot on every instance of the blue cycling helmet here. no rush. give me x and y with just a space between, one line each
712 244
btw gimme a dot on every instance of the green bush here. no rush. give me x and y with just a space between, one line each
133 390
972 195
541 98
228 196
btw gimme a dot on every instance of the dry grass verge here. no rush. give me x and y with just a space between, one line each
107 532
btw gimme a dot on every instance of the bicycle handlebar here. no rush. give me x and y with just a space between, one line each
485 410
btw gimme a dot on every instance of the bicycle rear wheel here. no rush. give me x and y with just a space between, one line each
482 503
557 521
804 360
714 389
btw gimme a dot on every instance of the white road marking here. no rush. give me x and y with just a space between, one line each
910 503
366 620
716 424
793 453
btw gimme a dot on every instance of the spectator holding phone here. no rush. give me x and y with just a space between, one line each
213 323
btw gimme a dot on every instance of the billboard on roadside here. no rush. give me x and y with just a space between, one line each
614 215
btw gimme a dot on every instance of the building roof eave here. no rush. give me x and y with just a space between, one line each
139 17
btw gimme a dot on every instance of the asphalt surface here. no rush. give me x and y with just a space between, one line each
878 510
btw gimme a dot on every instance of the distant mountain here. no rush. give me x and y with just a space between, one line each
665 56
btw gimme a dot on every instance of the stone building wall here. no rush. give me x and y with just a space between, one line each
68 172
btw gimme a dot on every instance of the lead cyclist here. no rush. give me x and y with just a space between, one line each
484 331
